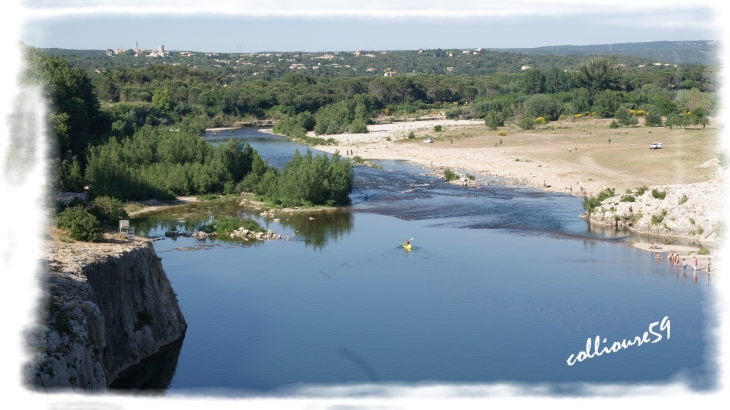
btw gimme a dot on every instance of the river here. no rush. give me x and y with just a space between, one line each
502 285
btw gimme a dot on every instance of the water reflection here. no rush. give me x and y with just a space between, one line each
314 228
318 231
153 374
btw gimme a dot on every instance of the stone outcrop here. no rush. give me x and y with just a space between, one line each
107 307
242 233
695 211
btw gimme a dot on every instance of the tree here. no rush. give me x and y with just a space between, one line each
541 105
493 120
653 118
598 74
162 100
625 118
75 112
606 103
590 203
533 82
698 117
581 100
557 81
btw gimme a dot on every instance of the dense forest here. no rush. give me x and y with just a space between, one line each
132 133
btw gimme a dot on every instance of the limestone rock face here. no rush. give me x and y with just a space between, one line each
690 211
107 307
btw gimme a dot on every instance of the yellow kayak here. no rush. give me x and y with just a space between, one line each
406 247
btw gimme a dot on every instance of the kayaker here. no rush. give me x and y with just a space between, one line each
406 243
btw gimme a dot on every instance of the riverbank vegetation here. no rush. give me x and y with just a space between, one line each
87 220
133 133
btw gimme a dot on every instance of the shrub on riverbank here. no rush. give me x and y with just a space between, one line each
157 162
309 180
590 203
81 225
450 175
108 210
228 224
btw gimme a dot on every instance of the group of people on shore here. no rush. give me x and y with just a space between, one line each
580 192
673 258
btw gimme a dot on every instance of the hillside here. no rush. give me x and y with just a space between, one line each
459 62
704 52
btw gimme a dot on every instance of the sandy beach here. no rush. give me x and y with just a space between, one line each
562 154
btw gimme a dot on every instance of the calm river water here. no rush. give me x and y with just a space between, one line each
503 285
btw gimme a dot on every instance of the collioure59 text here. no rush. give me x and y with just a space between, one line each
616 346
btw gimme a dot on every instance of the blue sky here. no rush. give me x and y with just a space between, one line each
225 26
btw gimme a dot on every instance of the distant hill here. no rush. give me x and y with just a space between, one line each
345 64
63 52
703 52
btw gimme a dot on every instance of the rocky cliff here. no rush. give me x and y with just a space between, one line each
108 306
693 211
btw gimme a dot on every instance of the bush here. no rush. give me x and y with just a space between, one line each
438 128
628 198
228 224
658 194
526 123
493 120
719 229
625 118
541 105
703 251
590 203
108 210
657 219
411 135
682 200
70 176
358 127
159 163
501 133
653 118
640 190
358 159
540 120
453 113
449 175
605 103
309 180
614 124
81 225
606 193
